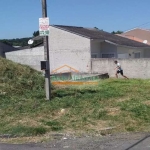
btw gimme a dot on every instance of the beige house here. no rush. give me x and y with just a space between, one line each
137 34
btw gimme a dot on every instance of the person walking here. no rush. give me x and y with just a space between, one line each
119 70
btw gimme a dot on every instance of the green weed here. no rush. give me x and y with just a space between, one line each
20 130
55 125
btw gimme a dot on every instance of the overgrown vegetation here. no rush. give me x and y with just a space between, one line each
123 105
21 41
16 42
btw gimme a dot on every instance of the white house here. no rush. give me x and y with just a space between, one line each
76 46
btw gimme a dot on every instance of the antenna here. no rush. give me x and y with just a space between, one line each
145 41
30 42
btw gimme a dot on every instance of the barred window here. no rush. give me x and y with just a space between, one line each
108 55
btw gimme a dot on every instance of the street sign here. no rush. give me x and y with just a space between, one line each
44 26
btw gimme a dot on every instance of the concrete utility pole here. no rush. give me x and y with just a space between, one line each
46 55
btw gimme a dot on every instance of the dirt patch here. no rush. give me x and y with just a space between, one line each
147 103
20 140
122 99
27 122
98 125
113 111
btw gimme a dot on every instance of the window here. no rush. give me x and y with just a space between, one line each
93 55
137 55
108 55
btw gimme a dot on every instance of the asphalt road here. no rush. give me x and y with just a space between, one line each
115 142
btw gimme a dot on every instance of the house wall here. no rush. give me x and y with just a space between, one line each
30 57
147 53
69 49
123 52
100 48
132 68
127 52
107 48
96 48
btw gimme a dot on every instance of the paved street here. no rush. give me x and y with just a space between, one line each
116 142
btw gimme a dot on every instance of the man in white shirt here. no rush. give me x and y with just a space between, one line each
119 69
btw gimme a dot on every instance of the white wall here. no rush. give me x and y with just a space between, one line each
133 68
65 49
30 57
69 49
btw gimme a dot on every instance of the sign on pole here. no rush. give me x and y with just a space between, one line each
44 26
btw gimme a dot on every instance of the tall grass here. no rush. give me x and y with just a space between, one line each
124 104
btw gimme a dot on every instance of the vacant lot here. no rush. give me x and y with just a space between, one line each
111 106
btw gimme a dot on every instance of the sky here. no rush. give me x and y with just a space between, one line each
20 18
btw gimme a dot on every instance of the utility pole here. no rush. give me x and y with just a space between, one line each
46 55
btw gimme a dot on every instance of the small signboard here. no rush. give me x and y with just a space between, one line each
44 26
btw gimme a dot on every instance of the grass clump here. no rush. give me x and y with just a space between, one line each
137 108
26 131
124 104
55 125
17 80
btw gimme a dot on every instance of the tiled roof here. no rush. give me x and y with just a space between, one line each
101 35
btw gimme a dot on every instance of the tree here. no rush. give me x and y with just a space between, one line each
35 33
36 42
21 41
6 42
16 42
96 28
117 32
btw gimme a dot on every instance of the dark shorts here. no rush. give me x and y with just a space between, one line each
120 71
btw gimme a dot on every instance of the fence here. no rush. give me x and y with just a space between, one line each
133 68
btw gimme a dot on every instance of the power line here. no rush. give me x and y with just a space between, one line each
138 26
